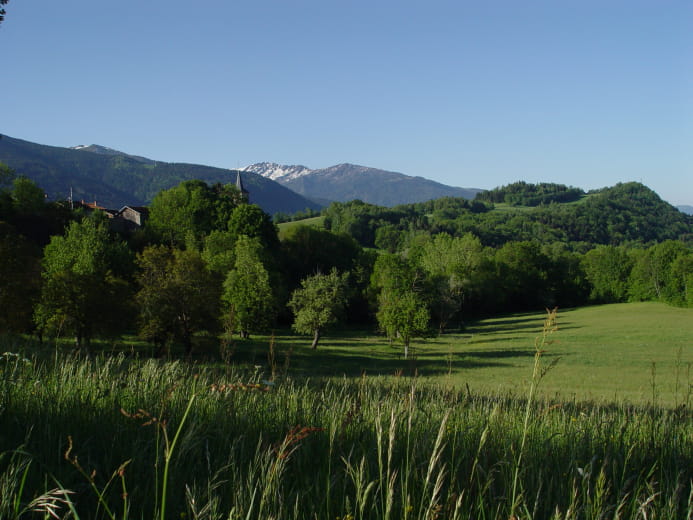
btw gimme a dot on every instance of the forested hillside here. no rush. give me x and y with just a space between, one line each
117 179
625 213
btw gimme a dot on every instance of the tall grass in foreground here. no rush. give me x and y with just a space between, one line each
114 437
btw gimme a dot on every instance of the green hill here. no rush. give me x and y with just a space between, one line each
625 213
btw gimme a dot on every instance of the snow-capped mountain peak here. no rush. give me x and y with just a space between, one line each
278 172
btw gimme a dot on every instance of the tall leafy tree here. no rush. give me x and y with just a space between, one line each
185 214
84 287
522 273
451 264
607 269
402 305
318 303
247 296
178 296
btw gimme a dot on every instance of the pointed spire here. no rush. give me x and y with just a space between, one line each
239 185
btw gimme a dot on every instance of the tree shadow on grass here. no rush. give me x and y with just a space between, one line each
338 358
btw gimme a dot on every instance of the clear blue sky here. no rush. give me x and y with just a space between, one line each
468 93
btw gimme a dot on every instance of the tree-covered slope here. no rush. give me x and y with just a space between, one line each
117 179
625 213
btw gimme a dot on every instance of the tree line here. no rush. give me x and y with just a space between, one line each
207 262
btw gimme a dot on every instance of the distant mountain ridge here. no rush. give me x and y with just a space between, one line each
105 150
115 179
685 209
278 172
345 182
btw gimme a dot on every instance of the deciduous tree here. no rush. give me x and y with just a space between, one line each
607 269
247 297
451 264
84 290
318 303
178 296
402 306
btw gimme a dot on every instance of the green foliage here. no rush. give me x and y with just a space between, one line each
178 296
318 303
388 238
27 196
83 287
402 305
355 218
607 269
306 250
452 266
681 280
625 214
525 194
218 251
522 271
251 221
653 276
188 212
247 295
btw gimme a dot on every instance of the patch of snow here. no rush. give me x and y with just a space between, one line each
278 172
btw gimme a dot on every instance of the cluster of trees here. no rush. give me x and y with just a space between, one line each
206 261
525 194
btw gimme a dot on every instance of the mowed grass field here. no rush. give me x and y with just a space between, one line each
635 352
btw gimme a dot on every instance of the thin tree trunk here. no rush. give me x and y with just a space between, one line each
316 338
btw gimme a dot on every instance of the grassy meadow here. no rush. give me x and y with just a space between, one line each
638 353
272 429
284 227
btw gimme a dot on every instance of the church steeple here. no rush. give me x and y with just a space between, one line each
239 185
